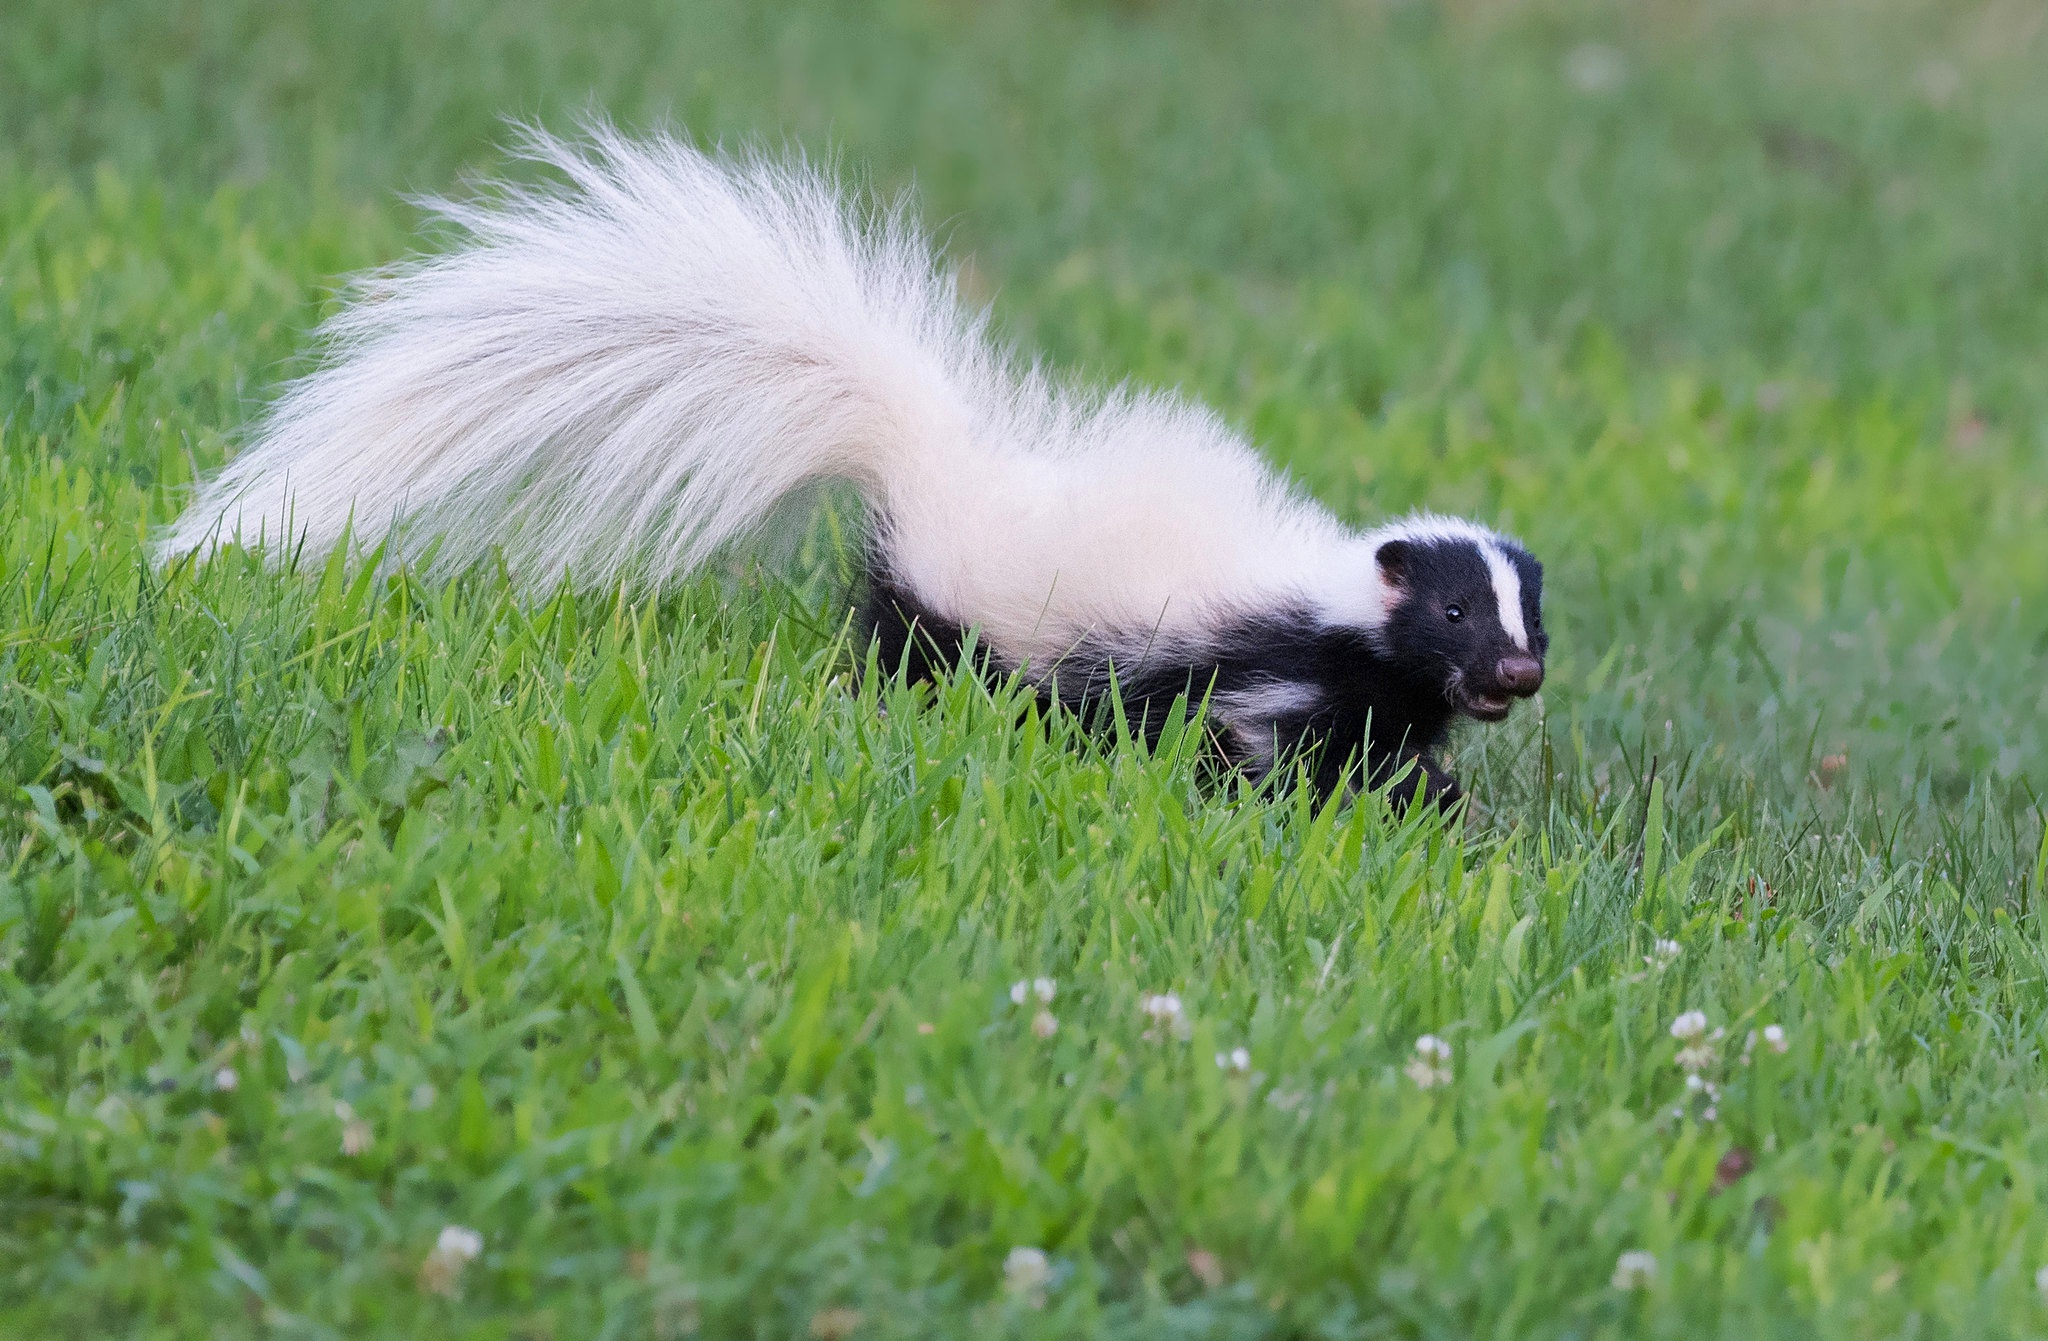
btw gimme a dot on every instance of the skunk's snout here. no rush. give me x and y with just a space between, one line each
1520 676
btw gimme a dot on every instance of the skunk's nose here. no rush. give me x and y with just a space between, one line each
1520 676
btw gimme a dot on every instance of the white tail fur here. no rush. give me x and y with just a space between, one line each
613 381
617 379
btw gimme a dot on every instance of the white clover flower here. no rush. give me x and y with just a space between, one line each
1773 1037
1634 1270
1026 1274
1431 1064
460 1242
1163 1007
356 1137
1165 1011
1025 988
1663 954
1026 1267
225 1080
457 1247
1690 1025
1695 1084
1237 1059
1044 1025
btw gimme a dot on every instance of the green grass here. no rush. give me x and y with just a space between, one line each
672 954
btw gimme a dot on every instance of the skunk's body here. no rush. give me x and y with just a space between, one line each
618 381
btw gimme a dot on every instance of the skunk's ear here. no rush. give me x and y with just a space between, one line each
1393 558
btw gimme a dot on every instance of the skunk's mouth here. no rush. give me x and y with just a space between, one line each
1487 707
1489 697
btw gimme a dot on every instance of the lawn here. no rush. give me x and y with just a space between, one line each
385 957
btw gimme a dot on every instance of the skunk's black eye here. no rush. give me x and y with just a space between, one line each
1454 613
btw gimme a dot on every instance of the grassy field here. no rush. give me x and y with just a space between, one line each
673 958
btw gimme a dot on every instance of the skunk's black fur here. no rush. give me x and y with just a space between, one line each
1387 697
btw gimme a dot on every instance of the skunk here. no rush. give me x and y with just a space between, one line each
615 379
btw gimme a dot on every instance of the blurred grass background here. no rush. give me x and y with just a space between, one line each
1737 313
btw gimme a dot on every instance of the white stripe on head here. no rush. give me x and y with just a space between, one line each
1507 593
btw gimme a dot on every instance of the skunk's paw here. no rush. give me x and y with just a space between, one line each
1438 787
1416 777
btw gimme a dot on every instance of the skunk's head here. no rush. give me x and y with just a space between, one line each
1464 615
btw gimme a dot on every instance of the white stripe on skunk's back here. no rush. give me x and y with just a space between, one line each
1145 518
620 378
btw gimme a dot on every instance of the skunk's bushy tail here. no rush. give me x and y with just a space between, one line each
617 378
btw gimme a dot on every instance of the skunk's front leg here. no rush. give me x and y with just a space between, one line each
1411 769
